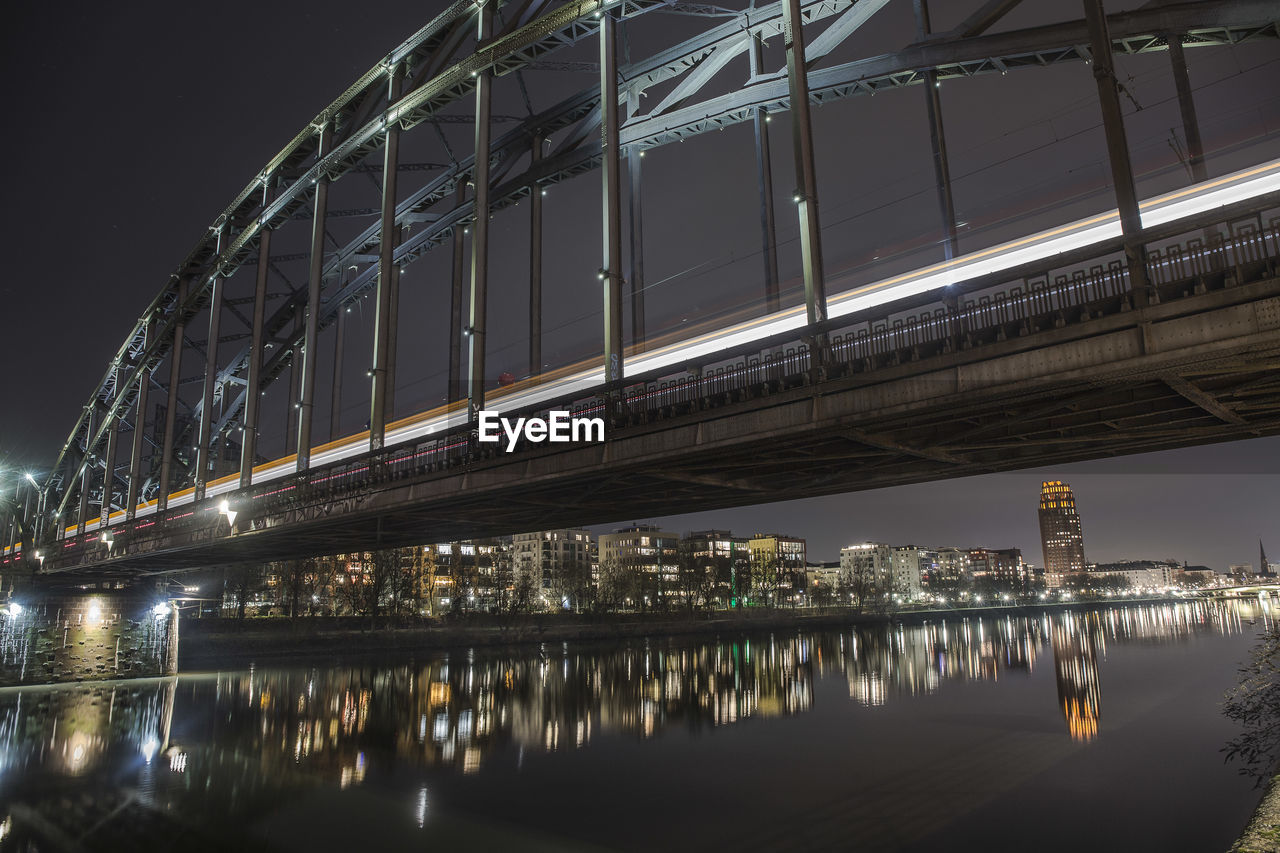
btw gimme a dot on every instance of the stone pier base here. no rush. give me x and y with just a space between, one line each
93 635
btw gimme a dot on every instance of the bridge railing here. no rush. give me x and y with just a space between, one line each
1190 262
1027 304
1178 266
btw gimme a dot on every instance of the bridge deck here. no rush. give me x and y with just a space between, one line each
1057 370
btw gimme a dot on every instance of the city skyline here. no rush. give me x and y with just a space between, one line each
1145 510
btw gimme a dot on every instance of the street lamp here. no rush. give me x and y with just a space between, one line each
36 528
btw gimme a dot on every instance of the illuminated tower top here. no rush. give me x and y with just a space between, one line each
1060 533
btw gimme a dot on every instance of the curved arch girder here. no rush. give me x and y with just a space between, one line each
1218 22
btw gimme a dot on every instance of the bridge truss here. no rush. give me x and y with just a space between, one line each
113 471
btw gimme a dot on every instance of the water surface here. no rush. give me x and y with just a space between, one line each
1053 732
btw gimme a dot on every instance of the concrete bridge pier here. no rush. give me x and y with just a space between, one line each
66 635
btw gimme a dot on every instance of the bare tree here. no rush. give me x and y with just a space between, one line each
860 587
403 580
503 580
766 577
648 582
717 580
692 578
298 581
367 590
243 581
570 581
522 595
324 580
950 585
618 585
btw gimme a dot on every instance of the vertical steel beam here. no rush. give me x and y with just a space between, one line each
1117 149
611 215
253 391
109 466
938 140
12 525
764 177
24 531
476 322
535 262
42 521
1187 107
335 404
171 404
11 538
455 302
941 173
11 522
311 340
635 211
139 424
14 536
393 333
386 253
806 195
30 519
636 215
295 382
204 443
86 471
941 167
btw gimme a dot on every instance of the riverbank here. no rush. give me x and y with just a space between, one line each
208 643
1262 835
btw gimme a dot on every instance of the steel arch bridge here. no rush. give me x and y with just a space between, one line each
114 473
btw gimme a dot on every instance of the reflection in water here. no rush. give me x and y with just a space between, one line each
1075 660
75 731
236 743
916 660
454 712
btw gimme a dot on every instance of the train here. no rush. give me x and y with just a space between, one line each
1203 197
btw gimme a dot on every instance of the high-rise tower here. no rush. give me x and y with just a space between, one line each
1060 534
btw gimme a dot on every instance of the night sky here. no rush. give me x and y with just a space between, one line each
132 126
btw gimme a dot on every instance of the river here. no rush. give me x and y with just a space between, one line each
1059 731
